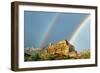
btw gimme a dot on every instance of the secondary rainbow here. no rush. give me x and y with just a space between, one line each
79 28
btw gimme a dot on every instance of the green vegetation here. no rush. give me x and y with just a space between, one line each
27 57
43 55
84 54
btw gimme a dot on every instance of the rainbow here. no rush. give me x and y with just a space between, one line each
52 23
79 28
49 28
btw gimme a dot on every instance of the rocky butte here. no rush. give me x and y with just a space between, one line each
55 51
61 50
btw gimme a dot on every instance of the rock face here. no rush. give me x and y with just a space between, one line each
72 52
62 49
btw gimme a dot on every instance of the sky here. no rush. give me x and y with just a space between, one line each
42 28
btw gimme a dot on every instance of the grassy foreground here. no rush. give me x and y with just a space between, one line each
42 55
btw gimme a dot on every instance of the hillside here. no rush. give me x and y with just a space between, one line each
56 51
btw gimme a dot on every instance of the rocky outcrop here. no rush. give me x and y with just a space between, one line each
56 51
62 49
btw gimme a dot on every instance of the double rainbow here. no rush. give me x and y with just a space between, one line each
52 23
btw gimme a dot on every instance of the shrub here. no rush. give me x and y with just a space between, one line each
35 57
85 54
